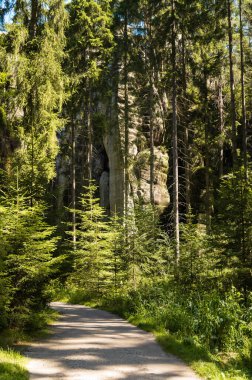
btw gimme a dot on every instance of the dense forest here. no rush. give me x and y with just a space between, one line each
125 164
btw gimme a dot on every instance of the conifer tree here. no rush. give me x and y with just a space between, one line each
233 228
35 49
27 245
89 46
94 260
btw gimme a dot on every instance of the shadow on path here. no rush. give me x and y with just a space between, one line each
96 345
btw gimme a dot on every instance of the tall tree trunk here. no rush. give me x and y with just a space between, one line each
186 132
221 126
126 118
244 119
175 141
232 84
73 180
34 19
208 205
90 133
32 163
152 153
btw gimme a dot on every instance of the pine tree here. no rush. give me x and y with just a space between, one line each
94 260
35 50
147 249
233 228
89 46
27 246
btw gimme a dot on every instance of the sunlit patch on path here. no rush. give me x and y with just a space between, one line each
90 344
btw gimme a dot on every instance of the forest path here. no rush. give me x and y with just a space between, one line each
90 344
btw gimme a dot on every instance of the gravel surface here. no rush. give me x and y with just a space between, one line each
90 344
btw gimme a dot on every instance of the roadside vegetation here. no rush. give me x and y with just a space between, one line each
209 331
12 366
13 341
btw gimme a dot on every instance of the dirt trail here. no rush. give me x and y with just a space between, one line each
89 344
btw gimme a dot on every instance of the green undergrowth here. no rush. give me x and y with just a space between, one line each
12 365
204 363
14 340
164 322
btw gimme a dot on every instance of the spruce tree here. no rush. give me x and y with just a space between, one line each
94 260
233 225
27 246
35 43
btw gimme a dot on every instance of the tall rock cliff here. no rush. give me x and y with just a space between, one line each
112 188
108 125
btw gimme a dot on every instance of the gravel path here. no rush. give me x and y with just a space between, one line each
89 344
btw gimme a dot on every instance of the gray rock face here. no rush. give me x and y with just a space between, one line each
140 178
104 191
109 146
139 147
112 145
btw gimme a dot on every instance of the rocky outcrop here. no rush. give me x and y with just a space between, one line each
139 147
108 123
140 178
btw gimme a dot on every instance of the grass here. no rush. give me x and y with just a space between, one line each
14 341
208 366
12 365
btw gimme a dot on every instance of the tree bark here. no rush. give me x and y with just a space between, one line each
186 132
208 205
90 133
244 118
175 141
73 143
33 20
221 126
126 118
152 153
232 84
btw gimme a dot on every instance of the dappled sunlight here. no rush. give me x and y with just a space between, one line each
93 344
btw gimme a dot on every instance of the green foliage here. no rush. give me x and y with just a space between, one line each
194 256
33 57
233 226
95 259
12 366
201 328
90 43
146 246
27 245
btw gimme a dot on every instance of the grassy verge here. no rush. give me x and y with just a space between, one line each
12 365
204 363
14 341
209 366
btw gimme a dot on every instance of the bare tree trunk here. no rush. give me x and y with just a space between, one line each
32 162
208 183
186 134
175 141
232 85
244 118
221 114
90 135
208 205
73 143
152 153
33 19
126 118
